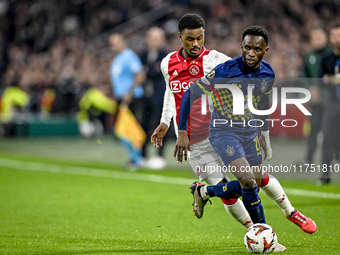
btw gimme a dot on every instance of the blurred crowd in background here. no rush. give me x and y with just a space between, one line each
56 49
47 43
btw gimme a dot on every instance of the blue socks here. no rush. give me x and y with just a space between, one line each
252 203
250 197
228 190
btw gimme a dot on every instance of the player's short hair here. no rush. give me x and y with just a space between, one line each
256 30
190 21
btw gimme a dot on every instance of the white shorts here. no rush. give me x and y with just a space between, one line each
205 162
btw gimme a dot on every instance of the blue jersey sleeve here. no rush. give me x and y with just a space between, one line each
194 92
184 110
202 86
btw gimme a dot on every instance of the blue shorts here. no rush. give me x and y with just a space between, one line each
231 145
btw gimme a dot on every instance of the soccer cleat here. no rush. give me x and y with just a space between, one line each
280 247
305 223
198 203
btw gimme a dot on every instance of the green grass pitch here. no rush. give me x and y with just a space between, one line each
72 197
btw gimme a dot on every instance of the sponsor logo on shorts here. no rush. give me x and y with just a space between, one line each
230 151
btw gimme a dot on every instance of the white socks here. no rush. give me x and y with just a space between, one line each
275 192
239 213
204 193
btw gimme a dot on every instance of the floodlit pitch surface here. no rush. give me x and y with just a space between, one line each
82 205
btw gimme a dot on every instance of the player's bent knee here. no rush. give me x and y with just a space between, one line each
247 182
223 181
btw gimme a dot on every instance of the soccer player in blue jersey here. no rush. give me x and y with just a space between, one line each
233 132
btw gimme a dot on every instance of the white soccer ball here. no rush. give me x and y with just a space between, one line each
260 238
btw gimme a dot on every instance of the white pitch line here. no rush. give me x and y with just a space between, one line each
309 193
87 171
97 172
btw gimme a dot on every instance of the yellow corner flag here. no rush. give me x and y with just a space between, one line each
127 127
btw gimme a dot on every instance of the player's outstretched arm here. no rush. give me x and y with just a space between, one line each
158 134
182 146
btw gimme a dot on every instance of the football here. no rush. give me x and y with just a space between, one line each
260 238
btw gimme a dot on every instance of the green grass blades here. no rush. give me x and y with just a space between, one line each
49 213
53 204
61 213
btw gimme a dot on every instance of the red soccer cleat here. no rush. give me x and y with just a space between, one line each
305 223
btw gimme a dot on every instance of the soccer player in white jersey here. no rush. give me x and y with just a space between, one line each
180 70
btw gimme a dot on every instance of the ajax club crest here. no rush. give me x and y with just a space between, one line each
194 69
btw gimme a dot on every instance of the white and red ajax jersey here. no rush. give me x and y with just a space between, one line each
179 74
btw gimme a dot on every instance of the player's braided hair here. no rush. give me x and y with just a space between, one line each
190 21
256 30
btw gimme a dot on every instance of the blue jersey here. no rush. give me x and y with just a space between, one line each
233 73
232 134
123 69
